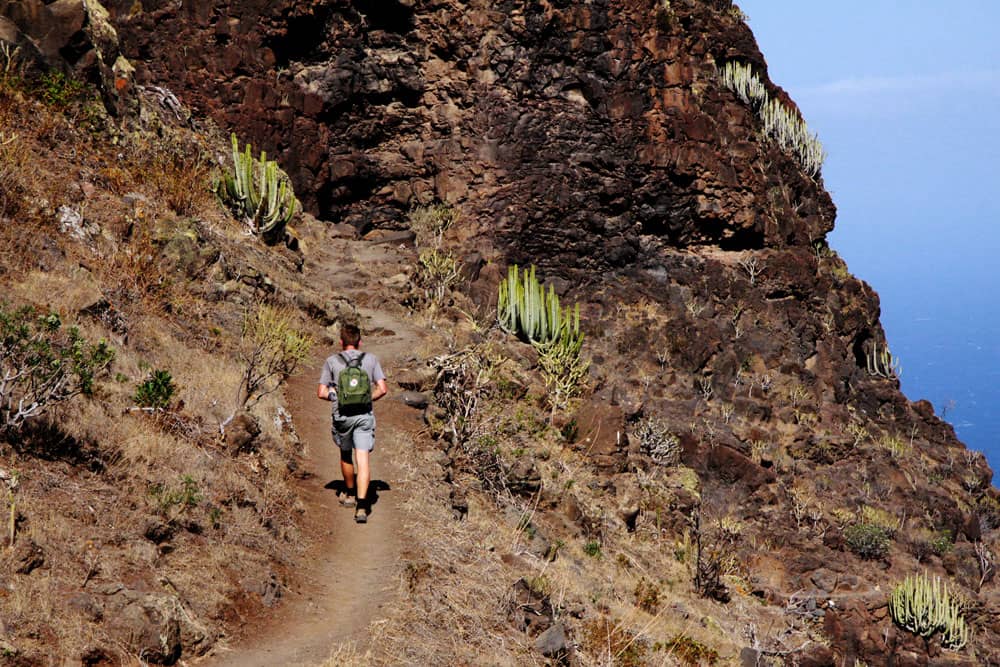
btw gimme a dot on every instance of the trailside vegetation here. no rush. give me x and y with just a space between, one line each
526 308
42 364
925 607
259 192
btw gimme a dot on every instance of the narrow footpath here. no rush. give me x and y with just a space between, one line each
350 574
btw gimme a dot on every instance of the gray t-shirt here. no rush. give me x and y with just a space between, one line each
334 365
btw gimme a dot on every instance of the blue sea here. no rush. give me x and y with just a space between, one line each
941 313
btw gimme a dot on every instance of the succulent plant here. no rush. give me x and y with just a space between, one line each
526 308
782 124
259 191
925 607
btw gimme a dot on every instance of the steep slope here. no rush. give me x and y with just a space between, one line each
740 475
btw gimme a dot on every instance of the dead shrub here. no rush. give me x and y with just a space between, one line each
612 644
180 174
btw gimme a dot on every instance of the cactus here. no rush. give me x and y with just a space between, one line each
259 191
525 308
883 364
924 607
781 123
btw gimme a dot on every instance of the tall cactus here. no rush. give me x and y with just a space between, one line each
259 191
924 607
524 307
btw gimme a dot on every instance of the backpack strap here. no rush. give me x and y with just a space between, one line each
351 363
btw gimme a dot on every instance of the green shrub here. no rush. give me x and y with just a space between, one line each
867 540
271 349
183 496
429 223
437 274
925 607
43 364
156 391
592 548
57 90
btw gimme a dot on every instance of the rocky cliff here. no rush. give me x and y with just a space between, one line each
597 141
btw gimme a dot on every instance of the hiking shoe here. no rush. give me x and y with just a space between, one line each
361 515
346 499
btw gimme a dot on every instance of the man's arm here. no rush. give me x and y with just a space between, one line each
379 390
324 393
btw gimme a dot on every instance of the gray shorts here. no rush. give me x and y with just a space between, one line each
356 432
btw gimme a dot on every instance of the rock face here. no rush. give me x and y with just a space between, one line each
69 35
568 133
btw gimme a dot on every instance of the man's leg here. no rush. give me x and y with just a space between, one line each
364 442
345 443
347 470
364 476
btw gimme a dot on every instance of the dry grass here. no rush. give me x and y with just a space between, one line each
91 484
176 169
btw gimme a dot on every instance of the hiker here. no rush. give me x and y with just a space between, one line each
352 380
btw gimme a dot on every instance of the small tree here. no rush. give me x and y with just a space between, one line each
42 364
271 349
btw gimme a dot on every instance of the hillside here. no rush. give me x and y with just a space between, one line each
726 473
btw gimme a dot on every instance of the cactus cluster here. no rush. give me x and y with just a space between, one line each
882 363
525 308
925 607
259 191
785 126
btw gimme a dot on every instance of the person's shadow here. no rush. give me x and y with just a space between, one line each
374 487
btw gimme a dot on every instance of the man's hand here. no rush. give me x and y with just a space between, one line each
325 393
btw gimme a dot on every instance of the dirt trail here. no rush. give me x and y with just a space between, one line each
350 573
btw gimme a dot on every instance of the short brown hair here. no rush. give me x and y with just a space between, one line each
350 334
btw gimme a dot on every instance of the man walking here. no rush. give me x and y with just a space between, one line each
352 380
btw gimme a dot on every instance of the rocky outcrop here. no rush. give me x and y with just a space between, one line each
74 36
571 135
596 141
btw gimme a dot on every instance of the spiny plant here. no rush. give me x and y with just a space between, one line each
527 309
882 363
925 607
259 191
785 126
658 442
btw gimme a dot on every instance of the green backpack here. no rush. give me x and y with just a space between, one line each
354 388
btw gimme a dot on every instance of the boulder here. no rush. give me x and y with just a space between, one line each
242 433
415 399
553 643
602 437
26 556
148 626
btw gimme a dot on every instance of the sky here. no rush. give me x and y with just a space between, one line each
906 100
